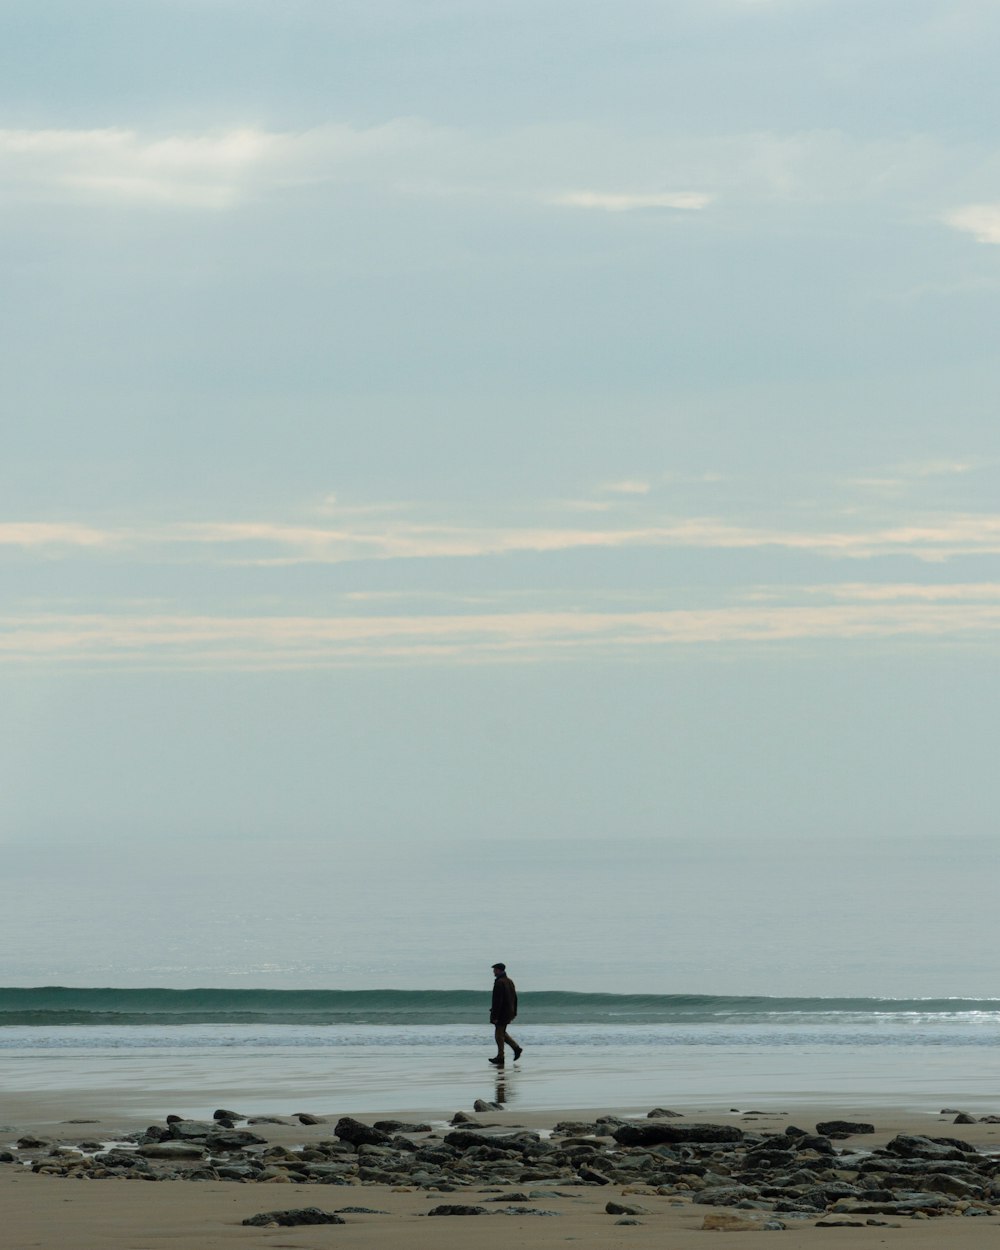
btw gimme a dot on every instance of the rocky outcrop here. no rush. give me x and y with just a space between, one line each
763 1179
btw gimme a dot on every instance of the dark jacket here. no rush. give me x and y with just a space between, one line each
503 1008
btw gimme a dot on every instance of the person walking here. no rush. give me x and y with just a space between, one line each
503 1009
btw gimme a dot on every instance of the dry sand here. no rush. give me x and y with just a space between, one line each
53 1213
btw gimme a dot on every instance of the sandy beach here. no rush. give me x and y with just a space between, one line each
125 1214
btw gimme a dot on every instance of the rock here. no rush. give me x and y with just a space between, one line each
401 1126
469 1139
125 1159
186 1129
227 1115
942 1183
233 1139
727 1195
30 1142
481 1105
523 1211
661 1113
460 1117
454 1208
654 1133
593 1177
304 1117
621 1208
765 1160
268 1119
287 1219
843 1128
915 1146
358 1134
170 1150
724 1223
903 1205
964 1118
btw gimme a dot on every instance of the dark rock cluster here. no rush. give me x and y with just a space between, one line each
767 1176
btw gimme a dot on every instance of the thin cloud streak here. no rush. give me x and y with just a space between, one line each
267 543
50 534
571 167
165 641
933 540
626 202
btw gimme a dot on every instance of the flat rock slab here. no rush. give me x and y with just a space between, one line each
843 1128
661 1132
456 1208
287 1219
916 1146
522 1211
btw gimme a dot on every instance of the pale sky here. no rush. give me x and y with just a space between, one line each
431 419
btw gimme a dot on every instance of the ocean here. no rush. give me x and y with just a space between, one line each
154 1051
